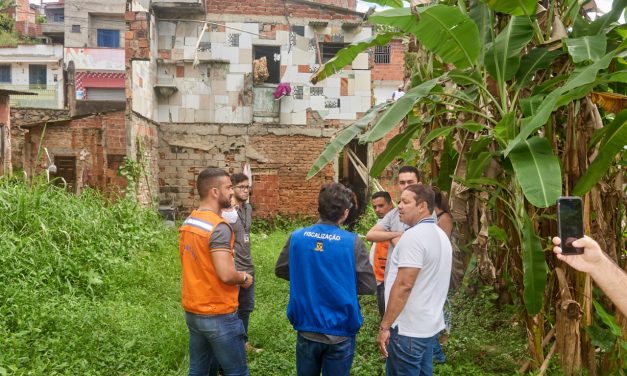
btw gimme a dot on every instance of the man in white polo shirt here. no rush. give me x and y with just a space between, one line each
416 284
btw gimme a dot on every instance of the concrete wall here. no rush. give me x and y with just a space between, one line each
89 15
220 89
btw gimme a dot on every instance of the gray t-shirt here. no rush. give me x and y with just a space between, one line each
241 228
221 237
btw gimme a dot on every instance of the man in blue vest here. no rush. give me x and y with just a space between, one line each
327 268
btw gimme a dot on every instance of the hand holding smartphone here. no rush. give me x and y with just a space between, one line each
570 223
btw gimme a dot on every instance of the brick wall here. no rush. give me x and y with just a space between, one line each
279 165
282 187
5 135
97 142
395 70
143 147
277 8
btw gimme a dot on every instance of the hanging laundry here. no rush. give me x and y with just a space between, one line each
282 90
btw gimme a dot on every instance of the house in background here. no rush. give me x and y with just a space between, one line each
25 16
54 26
35 68
388 71
94 51
197 70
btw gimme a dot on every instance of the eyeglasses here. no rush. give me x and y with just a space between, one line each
243 187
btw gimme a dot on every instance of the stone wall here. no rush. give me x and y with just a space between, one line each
25 116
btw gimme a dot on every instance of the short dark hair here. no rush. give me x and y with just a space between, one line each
208 179
440 200
383 194
238 178
423 193
333 200
411 169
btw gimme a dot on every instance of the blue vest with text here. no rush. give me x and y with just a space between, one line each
323 281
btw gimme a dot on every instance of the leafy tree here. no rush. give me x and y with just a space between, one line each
507 89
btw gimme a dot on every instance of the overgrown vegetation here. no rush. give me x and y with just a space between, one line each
86 287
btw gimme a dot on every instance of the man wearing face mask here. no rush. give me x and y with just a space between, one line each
240 219
210 281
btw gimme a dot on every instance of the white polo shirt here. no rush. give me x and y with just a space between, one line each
426 247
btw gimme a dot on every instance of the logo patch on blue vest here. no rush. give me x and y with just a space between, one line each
319 247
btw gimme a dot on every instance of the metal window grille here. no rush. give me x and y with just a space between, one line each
382 55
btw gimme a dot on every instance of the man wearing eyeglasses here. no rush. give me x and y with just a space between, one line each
243 257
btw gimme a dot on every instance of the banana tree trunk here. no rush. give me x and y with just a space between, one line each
568 319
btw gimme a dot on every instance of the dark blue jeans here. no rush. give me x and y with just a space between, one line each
333 360
246 300
216 341
409 356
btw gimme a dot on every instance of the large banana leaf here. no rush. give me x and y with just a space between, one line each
580 77
613 142
536 59
394 147
347 54
401 18
477 165
537 171
582 27
502 58
534 268
505 130
588 48
345 136
398 111
480 13
514 7
529 106
450 34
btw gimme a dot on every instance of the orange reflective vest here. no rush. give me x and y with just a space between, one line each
203 292
380 258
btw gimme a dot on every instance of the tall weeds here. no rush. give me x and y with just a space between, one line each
69 273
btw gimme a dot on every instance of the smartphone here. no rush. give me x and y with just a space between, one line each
570 223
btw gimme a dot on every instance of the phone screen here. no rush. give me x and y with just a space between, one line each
570 223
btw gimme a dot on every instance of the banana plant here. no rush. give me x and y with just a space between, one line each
517 90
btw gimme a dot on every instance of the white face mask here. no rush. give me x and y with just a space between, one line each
230 216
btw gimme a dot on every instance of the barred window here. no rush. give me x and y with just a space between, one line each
382 55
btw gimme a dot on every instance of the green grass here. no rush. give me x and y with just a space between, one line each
93 288
485 340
